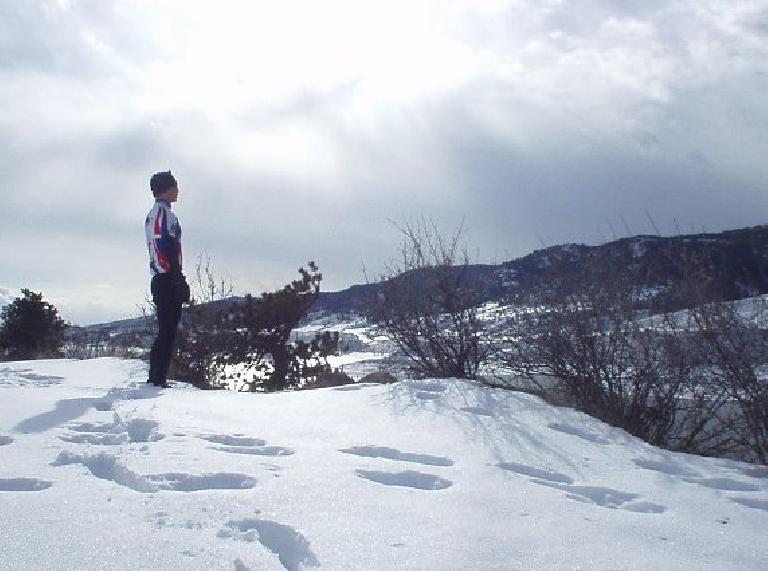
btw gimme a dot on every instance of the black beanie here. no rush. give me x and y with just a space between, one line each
161 181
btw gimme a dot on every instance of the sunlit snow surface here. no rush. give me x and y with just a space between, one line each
99 471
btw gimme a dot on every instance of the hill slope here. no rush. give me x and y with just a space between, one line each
99 471
738 260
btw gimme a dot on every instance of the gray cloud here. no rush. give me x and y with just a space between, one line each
73 38
563 120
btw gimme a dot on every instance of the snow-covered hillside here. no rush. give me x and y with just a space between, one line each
99 471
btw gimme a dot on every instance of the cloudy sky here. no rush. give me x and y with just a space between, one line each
297 129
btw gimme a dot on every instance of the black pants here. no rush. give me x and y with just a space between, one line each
168 306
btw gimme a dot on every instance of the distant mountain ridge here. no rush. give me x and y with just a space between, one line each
739 259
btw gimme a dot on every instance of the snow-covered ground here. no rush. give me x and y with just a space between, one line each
751 311
99 471
363 348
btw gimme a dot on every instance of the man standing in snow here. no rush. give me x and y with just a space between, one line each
169 287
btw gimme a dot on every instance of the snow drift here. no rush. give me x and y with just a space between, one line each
99 471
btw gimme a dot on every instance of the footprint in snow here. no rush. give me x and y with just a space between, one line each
582 433
107 467
755 471
724 484
394 454
236 440
27 378
244 445
256 450
666 467
751 470
606 497
23 485
754 503
115 433
68 410
538 473
407 479
598 495
291 547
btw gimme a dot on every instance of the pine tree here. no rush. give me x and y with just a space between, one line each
262 326
31 328
254 335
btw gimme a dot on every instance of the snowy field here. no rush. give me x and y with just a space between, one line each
99 471
364 349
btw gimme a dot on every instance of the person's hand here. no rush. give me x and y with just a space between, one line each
181 286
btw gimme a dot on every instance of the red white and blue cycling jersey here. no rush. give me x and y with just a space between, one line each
163 239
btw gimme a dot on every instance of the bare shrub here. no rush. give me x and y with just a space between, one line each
83 344
427 301
732 340
209 285
615 362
